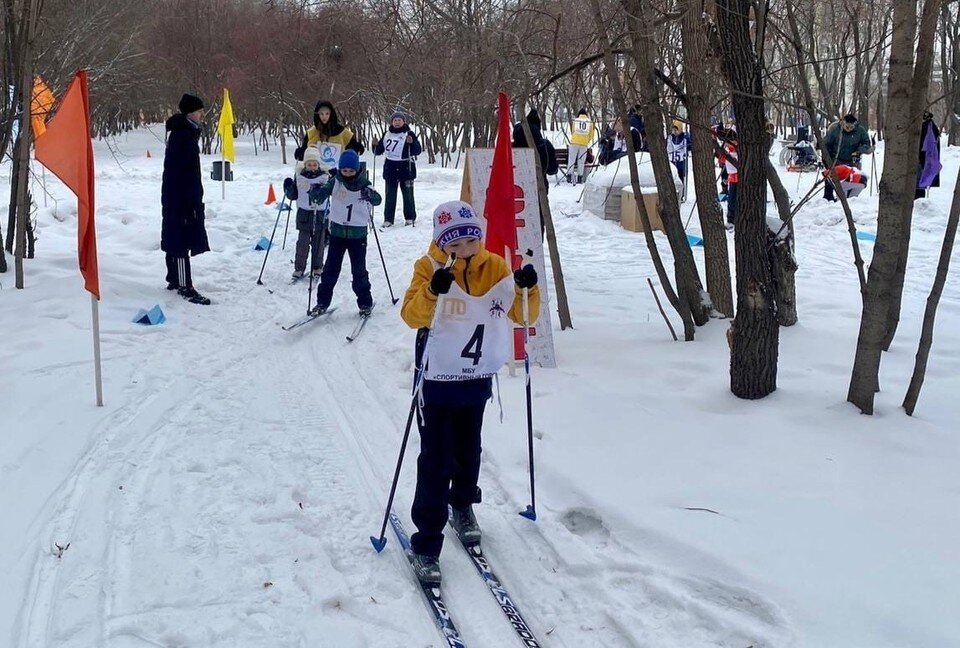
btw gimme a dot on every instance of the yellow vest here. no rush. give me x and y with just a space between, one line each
313 136
581 132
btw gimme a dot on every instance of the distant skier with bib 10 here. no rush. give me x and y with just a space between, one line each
470 340
351 203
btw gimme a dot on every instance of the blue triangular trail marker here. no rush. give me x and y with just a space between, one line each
150 317
694 240
529 513
378 543
866 236
262 244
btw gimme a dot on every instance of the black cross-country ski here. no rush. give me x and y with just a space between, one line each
308 319
432 593
507 606
358 328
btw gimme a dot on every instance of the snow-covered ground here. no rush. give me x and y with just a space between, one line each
225 493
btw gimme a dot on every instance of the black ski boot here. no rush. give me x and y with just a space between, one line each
317 310
192 296
427 569
464 522
366 311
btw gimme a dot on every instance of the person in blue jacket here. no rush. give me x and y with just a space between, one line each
400 146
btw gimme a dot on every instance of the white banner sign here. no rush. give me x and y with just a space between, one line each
476 179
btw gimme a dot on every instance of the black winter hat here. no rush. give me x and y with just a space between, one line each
850 118
190 103
582 111
533 117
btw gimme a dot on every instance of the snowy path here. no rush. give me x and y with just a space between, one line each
225 494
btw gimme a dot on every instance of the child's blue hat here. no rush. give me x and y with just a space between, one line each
350 160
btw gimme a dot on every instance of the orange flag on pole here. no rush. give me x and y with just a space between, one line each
40 106
65 148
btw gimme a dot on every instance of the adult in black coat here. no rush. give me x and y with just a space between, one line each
183 233
929 162
548 154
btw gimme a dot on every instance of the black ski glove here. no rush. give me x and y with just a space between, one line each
441 281
525 277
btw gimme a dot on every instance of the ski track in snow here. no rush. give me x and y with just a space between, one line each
227 499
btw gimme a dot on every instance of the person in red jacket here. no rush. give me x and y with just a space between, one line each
852 179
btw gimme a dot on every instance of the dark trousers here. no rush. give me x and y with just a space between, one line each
304 243
357 249
732 203
681 170
447 470
828 192
390 200
178 271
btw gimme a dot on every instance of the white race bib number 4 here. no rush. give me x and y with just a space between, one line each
473 335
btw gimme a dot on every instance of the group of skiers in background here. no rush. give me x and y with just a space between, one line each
323 176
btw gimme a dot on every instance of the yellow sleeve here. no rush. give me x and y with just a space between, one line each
419 303
533 305
533 298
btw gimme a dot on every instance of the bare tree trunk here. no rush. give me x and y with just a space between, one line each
755 333
14 196
930 314
921 86
563 305
716 257
689 286
682 308
785 264
23 153
907 92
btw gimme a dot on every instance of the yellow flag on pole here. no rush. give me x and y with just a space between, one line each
40 106
225 127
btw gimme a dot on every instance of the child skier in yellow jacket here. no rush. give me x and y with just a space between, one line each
470 340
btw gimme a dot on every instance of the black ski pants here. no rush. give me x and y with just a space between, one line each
178 271
357 249
448 469
390 200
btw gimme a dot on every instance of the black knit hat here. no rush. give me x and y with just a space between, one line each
190 103
533 117
850 118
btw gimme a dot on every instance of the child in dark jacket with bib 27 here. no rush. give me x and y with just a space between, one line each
400 146
470 339
351 205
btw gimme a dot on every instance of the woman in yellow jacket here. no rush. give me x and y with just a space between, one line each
329 136
470 339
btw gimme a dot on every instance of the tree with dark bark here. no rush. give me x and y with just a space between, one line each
908 84
755 336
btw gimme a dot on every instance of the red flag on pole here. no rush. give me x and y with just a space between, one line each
65 148
499 206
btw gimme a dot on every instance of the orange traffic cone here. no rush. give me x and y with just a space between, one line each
271 196
148 154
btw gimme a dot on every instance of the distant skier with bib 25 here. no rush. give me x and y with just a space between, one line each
470 339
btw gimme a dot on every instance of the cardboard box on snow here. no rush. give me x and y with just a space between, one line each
630 213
